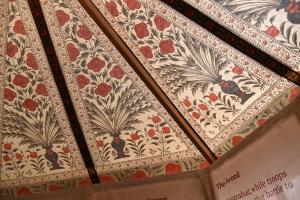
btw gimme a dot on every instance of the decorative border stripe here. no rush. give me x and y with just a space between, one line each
41 25
234 40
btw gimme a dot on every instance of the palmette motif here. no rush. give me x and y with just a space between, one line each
125 126
216 88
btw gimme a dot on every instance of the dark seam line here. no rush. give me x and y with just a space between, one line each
41 25
234 40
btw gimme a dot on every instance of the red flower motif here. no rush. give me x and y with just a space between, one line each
151 133
237 70
135 136
213 97
62 17
236 140
19 27
166 130
18 156
139 174
133 4
96 64
106 179
261 122
293 7
23 191
112 8
33 154
5 158
30 61
41 89
86 181
30 104
9 95
272 31
20 80
66 150
103 89
54 187
7 146
117 72
196 115
141 30
203 107
172 168
295 92
73 52
187 103
166 46
100 143
204 165
84 32
11 49
147 51
156 119
161 23
82 81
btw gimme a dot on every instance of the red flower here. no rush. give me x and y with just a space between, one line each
151 133
20 80
237 70
196 115
106 179
172 168
82 81
112 8
84 32
293 7
33 154
66 150
96 64
54 187
156 119
166 130
62 17
41 89
5 158
7 146
213 97
203 106
73 52
117 72
161 23
18 156
86 181
30 61
103 89
9 95
141 30
23 191
11 49
133 4
30 104
139 174
187 103
100 143
272 31
166 46
147 51
295 92
204 165
19 27
134 136
261 122
236 140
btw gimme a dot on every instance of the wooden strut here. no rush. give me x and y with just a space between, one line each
148 80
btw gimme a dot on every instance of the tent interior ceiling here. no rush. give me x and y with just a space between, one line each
103 91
